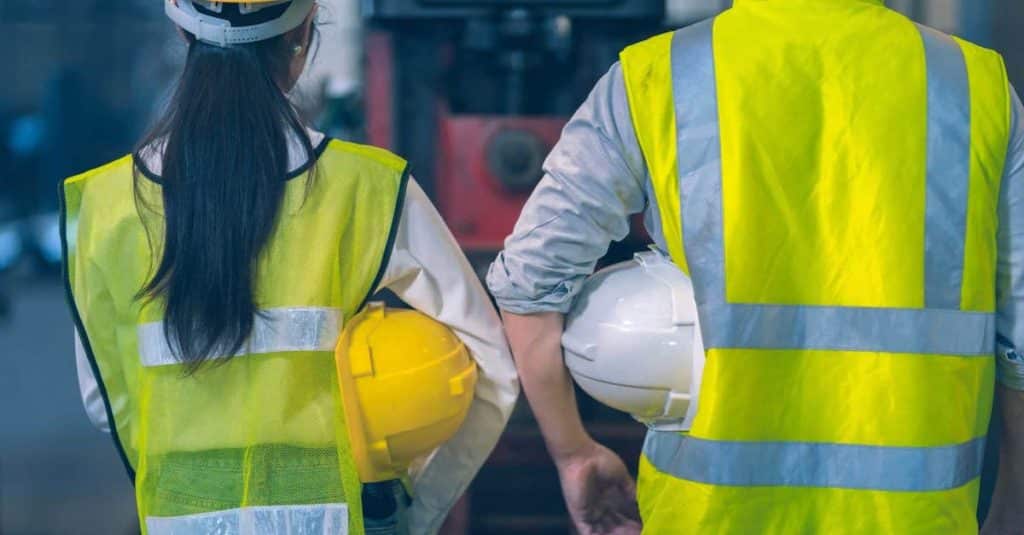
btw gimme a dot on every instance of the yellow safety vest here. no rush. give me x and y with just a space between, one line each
827 172
259 444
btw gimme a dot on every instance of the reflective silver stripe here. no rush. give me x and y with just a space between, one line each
329 519
796 464
274 331
949 169
700 158
923 331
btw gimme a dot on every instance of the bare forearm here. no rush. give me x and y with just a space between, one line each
1007 512
536 342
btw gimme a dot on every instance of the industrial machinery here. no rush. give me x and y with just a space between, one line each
475 93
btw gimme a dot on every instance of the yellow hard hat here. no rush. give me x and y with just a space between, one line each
406 382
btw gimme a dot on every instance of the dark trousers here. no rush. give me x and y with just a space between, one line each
384 508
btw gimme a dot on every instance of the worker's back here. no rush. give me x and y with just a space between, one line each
256 439
827 148
828 173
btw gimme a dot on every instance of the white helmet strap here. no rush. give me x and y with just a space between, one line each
217 31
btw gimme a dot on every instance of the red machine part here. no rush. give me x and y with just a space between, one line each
487 167
379 80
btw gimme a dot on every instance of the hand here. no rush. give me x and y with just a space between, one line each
600 493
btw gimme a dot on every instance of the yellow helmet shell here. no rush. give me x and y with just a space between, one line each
407 383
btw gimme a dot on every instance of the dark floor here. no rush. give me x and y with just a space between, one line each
58 475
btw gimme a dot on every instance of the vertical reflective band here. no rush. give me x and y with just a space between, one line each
700 158
727 325
330 519
949 174
275 330
822 465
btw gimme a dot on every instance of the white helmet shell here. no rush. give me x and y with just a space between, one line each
220 32
632 341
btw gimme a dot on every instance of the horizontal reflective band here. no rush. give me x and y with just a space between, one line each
922 331
949 169
331 519
794 464
275 330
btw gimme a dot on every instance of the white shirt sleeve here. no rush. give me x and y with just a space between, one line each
429 271
1010 268
595 179
92 399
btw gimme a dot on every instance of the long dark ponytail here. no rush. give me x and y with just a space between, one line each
224 139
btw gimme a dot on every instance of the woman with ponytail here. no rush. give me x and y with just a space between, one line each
210 273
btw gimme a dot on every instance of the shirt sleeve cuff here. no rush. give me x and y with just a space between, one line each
1010 368
511 297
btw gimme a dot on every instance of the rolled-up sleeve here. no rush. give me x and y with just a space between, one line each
594 181
1010 287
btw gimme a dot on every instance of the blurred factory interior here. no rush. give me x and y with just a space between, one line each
473 93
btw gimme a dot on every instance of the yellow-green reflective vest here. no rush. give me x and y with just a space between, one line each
827 172
259 444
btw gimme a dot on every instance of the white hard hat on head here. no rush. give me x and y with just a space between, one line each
214 23
632 341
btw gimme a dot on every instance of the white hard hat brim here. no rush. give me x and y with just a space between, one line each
219 32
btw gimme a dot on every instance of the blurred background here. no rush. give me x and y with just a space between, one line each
473 93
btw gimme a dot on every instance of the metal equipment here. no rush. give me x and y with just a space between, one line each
476 93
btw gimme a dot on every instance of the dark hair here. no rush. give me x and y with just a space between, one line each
224 137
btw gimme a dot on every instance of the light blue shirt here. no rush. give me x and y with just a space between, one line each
1010 269
596 178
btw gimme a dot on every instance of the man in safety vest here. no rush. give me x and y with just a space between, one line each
846 190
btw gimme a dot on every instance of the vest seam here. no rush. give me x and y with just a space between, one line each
1008 118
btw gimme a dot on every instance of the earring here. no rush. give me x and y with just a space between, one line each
297 51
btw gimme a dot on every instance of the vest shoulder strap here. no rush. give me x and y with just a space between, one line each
117 166
376 155
646 68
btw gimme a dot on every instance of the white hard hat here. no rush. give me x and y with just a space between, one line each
632 341
208 20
